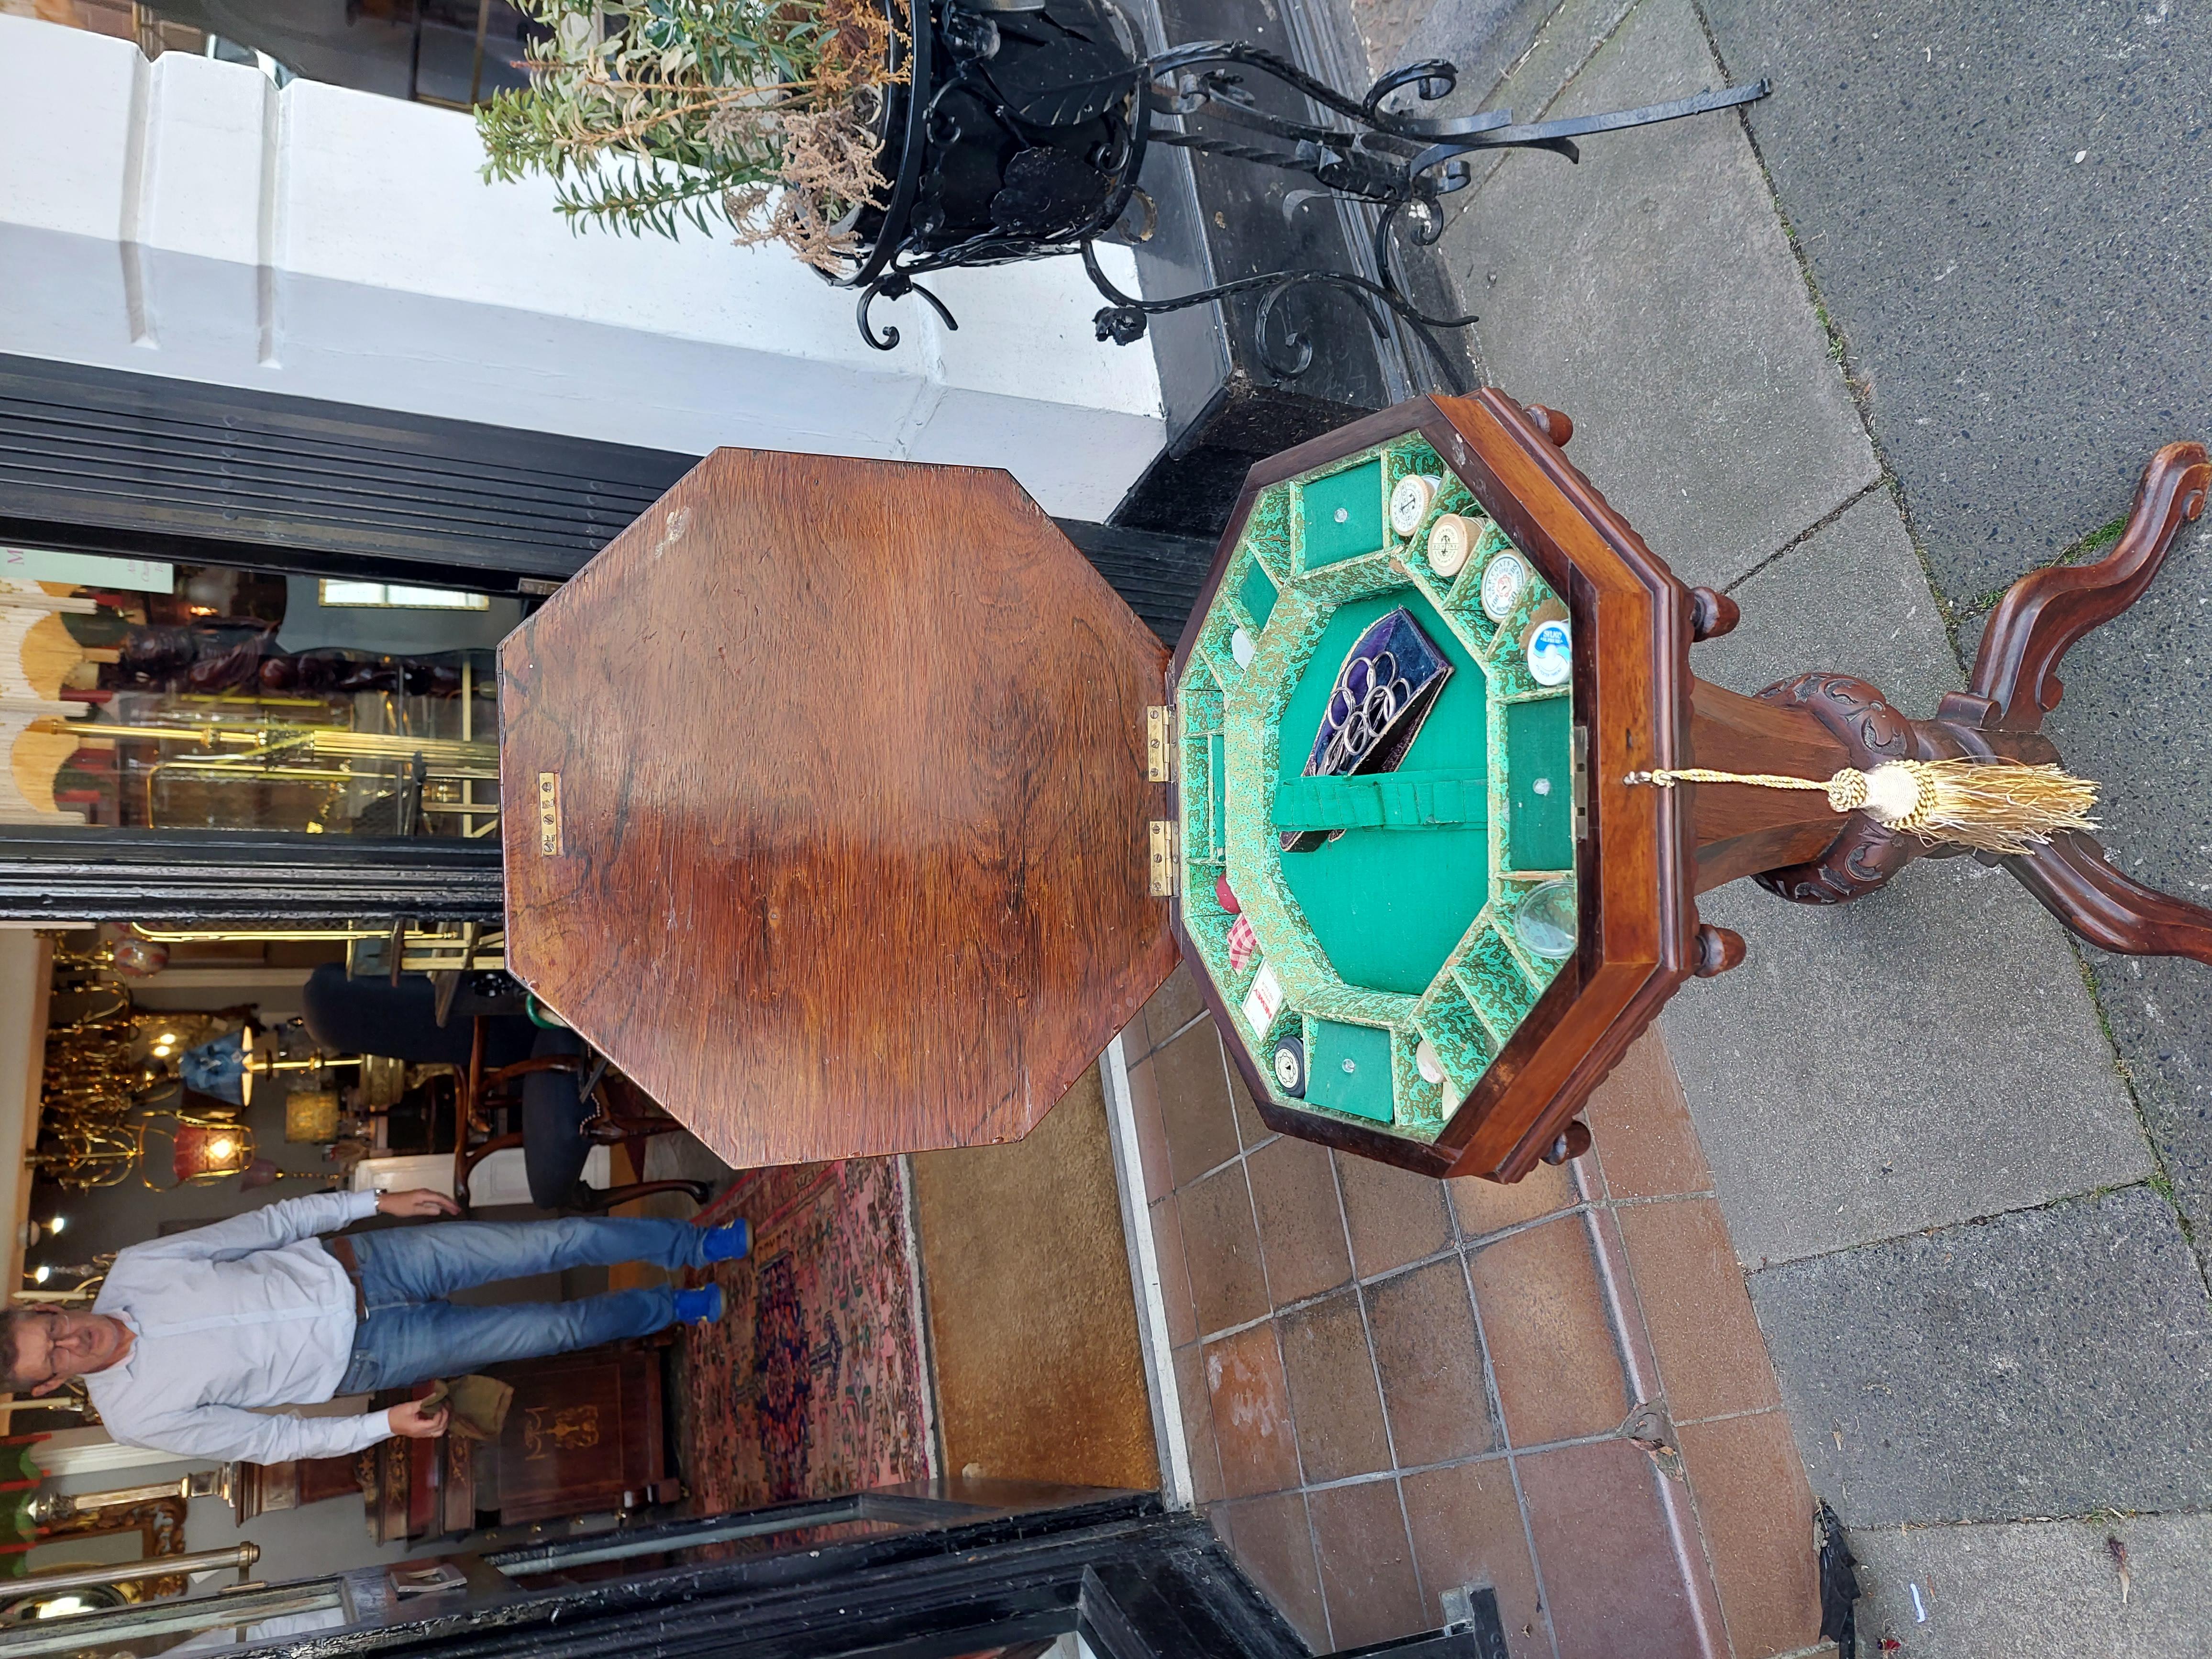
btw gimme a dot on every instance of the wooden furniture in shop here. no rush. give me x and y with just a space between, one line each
583 1436
561 1102
853 779
268 1488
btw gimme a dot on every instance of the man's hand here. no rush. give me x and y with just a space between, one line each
420 1201
408 1418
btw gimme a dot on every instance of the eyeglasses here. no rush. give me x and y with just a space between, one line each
49 1320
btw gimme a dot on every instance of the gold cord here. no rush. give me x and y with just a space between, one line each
1667 778
1996 806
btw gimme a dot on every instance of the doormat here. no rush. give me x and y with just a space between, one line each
813 1383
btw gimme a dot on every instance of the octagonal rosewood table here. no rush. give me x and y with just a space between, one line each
845 835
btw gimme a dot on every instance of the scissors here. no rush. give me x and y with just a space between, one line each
1369 694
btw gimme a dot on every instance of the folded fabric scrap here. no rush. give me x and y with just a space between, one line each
479 1404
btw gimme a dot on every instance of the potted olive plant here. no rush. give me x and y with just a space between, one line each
878 139
763 114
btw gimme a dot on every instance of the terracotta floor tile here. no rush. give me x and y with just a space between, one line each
1173 1006
1194 1091
1175 1276
1251 1413
1151 1133
1216 1518
1712 1357
1638 1367
1640 1124
1551 1339
1366 1563
1272 1542
1611 1577
1301 1223
1423 1326
1484 1206
1222 1250
1251 1128
1756 1514
1395 1216
1467 1530
1332 1383
1197 1424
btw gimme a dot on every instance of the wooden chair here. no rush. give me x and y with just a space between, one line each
555 1107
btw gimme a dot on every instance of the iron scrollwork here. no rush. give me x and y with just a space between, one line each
1023 125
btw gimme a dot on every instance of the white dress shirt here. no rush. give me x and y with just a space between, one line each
249 1312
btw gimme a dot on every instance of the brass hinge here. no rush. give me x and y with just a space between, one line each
1159 743
549 814
1579 790
1161 837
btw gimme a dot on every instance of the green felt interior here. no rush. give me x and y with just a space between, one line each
1540 784
1403 928
1356 492
1387 906
1385 800
1365 1091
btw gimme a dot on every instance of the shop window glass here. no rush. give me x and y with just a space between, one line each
392 596
140 695
451 53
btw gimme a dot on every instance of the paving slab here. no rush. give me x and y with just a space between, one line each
1482 38
1649 293
2048 1362
1850 598
1920 1056
2052 1587
2008 220
2008 226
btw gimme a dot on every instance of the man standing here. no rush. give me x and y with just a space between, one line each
192 1335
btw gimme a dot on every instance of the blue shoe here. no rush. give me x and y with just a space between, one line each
701 1307
730 1243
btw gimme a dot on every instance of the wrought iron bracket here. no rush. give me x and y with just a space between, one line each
1363 149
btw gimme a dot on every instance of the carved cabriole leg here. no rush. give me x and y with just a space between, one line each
1813 726
2016 683
2075 883
2044 612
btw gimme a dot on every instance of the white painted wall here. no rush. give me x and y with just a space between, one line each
185 217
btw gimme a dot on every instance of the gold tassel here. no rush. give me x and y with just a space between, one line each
1993 806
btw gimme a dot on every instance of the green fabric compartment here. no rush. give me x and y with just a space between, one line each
1385 800
1357 492
1362 1092
1540 778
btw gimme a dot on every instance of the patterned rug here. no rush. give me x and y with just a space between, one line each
813 1383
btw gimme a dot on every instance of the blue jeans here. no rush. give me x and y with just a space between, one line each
413 1334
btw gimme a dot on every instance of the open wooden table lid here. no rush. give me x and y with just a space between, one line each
826 807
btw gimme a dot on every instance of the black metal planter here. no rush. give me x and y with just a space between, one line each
1018 132
1022 126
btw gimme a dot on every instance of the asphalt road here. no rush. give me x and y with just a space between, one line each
2007 211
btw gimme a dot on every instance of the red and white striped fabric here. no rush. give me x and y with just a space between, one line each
1244 946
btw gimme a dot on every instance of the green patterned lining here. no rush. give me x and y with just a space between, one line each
1289 576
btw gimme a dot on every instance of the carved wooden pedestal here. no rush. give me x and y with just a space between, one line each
1811 726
